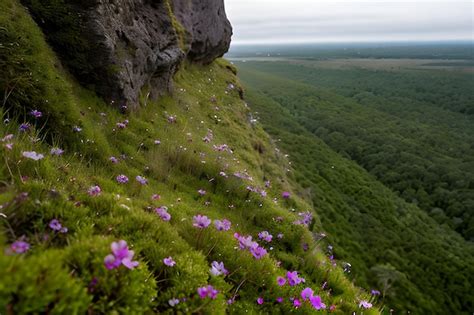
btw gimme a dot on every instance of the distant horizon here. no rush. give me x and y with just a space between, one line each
371 42
340 21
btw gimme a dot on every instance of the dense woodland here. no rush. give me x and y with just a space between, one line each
413 130
387 159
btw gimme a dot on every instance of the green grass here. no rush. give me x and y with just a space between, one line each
64 273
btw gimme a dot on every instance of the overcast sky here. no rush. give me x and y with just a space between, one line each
284 21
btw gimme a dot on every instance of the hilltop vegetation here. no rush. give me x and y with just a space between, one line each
104 211
349 132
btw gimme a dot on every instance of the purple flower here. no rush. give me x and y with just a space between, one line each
365 304
169 261
207 291
280 236
281 281
305 218
157 142
260 300
55 225
296 303
317 303
33 155
306 294
36 113
293 278
285 195
223 225
141 180
375 292
279 300
245 242
201 221
113 159
57 151
122 179
120 125
258 252
201 192
267 237
77 129
163 213
94 191
121 255
217 269
19 247
24 127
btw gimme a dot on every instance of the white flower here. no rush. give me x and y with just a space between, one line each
173 302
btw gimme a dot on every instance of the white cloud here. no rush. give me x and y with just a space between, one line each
267 21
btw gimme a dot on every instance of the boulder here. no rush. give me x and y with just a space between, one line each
120 47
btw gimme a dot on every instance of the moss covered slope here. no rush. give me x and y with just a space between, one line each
200 138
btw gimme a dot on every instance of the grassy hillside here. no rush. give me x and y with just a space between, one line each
422 267
78 178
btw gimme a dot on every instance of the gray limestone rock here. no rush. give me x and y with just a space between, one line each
118 47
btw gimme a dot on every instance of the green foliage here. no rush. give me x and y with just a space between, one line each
40 284
367 223
413 133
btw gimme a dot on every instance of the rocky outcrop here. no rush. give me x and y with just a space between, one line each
120 47
208 31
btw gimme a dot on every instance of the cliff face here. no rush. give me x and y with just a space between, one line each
118 47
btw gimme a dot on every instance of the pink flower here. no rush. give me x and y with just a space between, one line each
317 303
155 197
94 191
201 221
223 225
207 292
293 278
260 300
296 303
169 261
121 255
